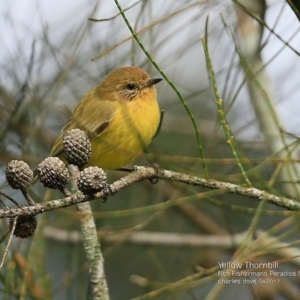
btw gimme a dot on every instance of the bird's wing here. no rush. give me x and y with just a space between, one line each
93 117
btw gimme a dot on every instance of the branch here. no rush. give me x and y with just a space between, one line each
141 173
90 242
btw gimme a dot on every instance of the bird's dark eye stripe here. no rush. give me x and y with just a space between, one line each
130 86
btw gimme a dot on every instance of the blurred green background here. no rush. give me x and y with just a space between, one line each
51 55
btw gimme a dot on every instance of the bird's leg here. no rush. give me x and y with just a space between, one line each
156 167
107 191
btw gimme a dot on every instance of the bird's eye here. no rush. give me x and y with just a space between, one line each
130 86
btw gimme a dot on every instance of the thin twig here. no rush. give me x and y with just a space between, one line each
263 23
219 102
9 241
22 94
10 199
115 16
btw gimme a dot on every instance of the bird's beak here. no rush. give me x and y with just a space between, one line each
153 81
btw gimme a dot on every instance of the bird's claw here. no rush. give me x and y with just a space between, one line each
156 167
107 191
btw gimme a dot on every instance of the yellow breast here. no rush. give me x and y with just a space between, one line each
130 130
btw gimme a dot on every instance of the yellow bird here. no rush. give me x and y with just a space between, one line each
120 116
